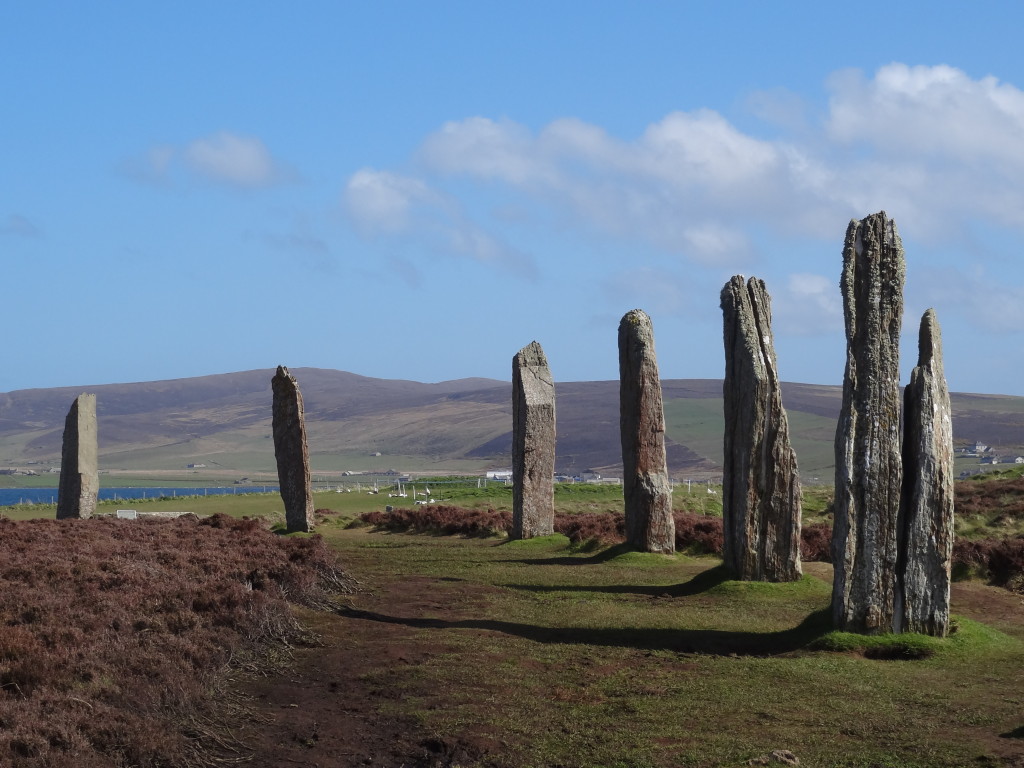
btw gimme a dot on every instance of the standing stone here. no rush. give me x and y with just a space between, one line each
868 464
291 452
79 484
926 514
761 486
533 444
646 485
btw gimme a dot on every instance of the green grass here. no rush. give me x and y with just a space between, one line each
575 657
616 658
813 438
698 424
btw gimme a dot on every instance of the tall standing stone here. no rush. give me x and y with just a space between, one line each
868 463
79 466
761 485
926 514
291 452
646 485
533 444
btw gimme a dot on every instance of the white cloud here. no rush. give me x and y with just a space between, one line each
661 291
381 201
385 203
151 167
941 146
229 158
225 158
486 149
992 306
807 305
19 226
937 149
713 244
937 111
682 185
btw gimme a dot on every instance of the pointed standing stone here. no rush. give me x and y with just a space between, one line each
533 444
291 452
868 464
79 466
926 514
646 485
761 485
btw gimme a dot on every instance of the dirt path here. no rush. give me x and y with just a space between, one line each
325 712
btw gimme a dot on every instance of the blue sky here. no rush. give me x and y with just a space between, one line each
418 189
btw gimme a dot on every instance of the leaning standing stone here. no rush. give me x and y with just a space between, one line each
926 516
533 444
646 485
761 485
291 452
868 463
79 467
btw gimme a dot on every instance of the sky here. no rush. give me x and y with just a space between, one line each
416 190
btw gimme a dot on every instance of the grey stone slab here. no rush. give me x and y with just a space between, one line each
533 444
646 486
761 503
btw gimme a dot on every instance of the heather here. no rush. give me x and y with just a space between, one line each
696 534
116 634
1000 560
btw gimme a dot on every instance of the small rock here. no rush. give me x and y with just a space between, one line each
783 756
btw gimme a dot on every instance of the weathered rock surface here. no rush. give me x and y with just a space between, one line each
79 484
646 485
761 485
533 444
292 452
868 462
925 542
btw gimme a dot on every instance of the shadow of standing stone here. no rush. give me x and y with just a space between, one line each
869 469
926 515
291 452
533 444
761 486
79 484
646 486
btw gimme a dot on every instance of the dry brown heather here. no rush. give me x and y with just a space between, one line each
699 534
115 633
998 560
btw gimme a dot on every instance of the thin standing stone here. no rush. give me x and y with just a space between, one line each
761 485
533 444
291 452
646 485
869 470
79 466
926 515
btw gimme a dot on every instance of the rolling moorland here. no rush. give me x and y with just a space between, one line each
463 426
453 646
443 644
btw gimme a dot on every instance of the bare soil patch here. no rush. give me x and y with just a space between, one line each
327 710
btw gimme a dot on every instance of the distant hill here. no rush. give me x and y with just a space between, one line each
223 422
